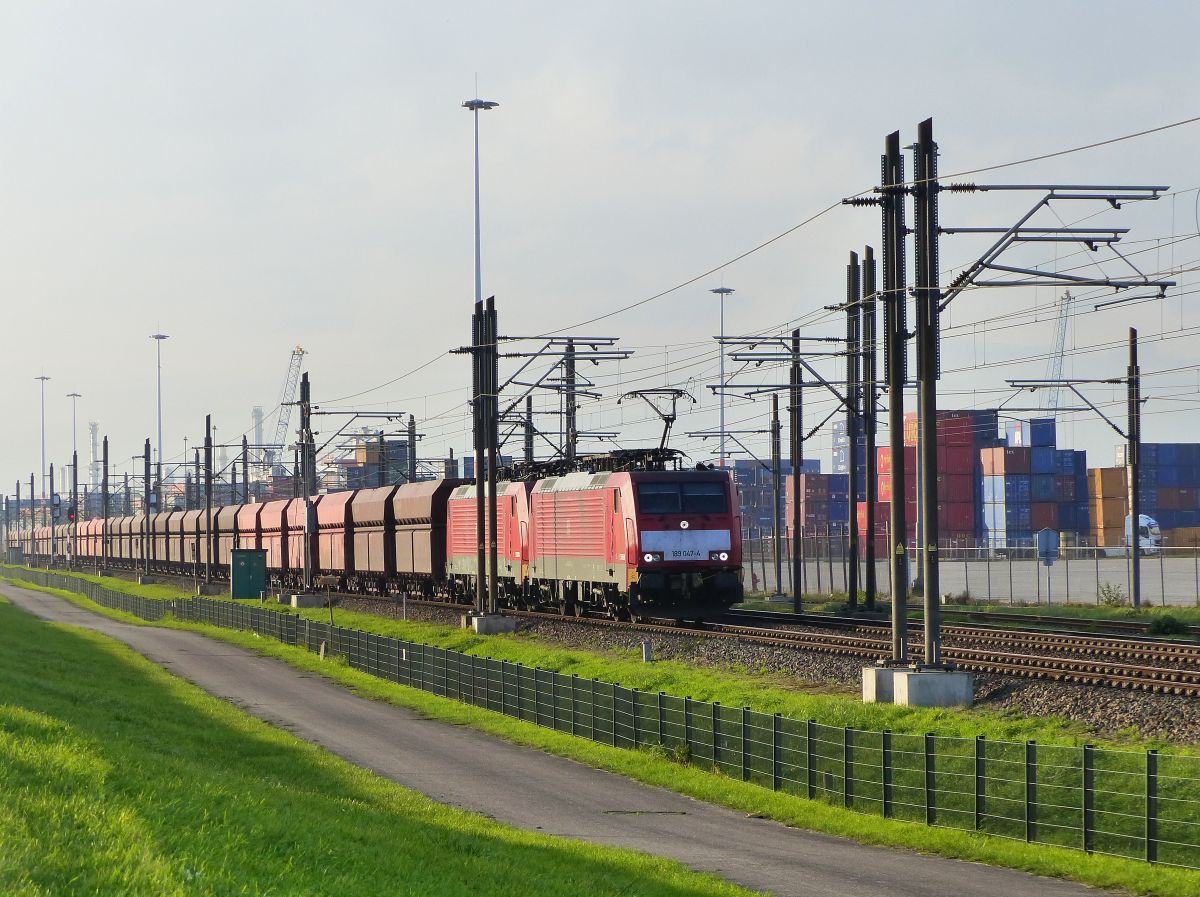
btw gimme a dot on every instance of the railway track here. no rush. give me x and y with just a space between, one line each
1027 621
1005 660
1117 648
1037 654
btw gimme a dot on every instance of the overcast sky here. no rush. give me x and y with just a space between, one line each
251 176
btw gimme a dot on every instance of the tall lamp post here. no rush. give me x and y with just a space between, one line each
74 397
722 292
158 341
43 378
481 427
475 106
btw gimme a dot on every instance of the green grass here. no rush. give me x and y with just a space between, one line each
118 778
654 766
764 692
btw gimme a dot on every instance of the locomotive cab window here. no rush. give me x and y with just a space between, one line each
659 498
682 498
704 498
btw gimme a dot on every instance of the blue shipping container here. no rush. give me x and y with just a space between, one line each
1041 432
1064 461
1018 489
1081 464
1041 459
986 425
1041 487
1018 517
1066 517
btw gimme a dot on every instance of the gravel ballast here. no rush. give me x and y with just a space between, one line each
1104 711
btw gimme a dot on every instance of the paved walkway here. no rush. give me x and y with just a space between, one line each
532 790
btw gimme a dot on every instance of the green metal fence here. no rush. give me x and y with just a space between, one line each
1140 805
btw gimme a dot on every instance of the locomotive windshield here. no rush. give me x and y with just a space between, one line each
682 498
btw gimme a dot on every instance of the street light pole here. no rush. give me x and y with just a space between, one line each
722 292
43 378
480 417
475 106
74 507
73 396
158 341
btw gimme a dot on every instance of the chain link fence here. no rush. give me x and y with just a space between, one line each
1138 805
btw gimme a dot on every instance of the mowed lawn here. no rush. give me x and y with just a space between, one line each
116 778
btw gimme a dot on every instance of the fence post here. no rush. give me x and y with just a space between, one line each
1030 790
554 700
930 797
1089 796
633 706
716 733
810 756
980 780
614 714
1151 806
886 763
847 769
518 668
687 723
662 719
776 777
574 707
592 714
503 687
745 746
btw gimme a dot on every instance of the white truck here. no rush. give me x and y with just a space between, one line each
1149 537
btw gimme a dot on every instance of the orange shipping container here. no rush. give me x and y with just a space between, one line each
1106 482
1108 512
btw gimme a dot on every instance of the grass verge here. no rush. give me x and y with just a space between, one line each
763 691
654 767
118 778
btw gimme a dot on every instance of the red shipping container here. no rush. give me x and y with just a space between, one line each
956 516
883 459
1176 498
885 488
1012 459
956 487
955 459
1044 515
955 428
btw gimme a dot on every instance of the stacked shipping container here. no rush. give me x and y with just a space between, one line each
1029 484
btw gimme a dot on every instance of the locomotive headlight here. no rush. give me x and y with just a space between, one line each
718 555
651 556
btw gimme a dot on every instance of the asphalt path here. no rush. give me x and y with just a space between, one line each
526 788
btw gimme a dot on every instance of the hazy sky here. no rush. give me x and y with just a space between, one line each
251 176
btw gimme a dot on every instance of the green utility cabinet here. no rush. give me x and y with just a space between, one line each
248 572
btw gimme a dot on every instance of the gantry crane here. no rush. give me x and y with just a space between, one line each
1054 364
287 398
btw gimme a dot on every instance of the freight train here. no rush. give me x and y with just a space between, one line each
623 544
